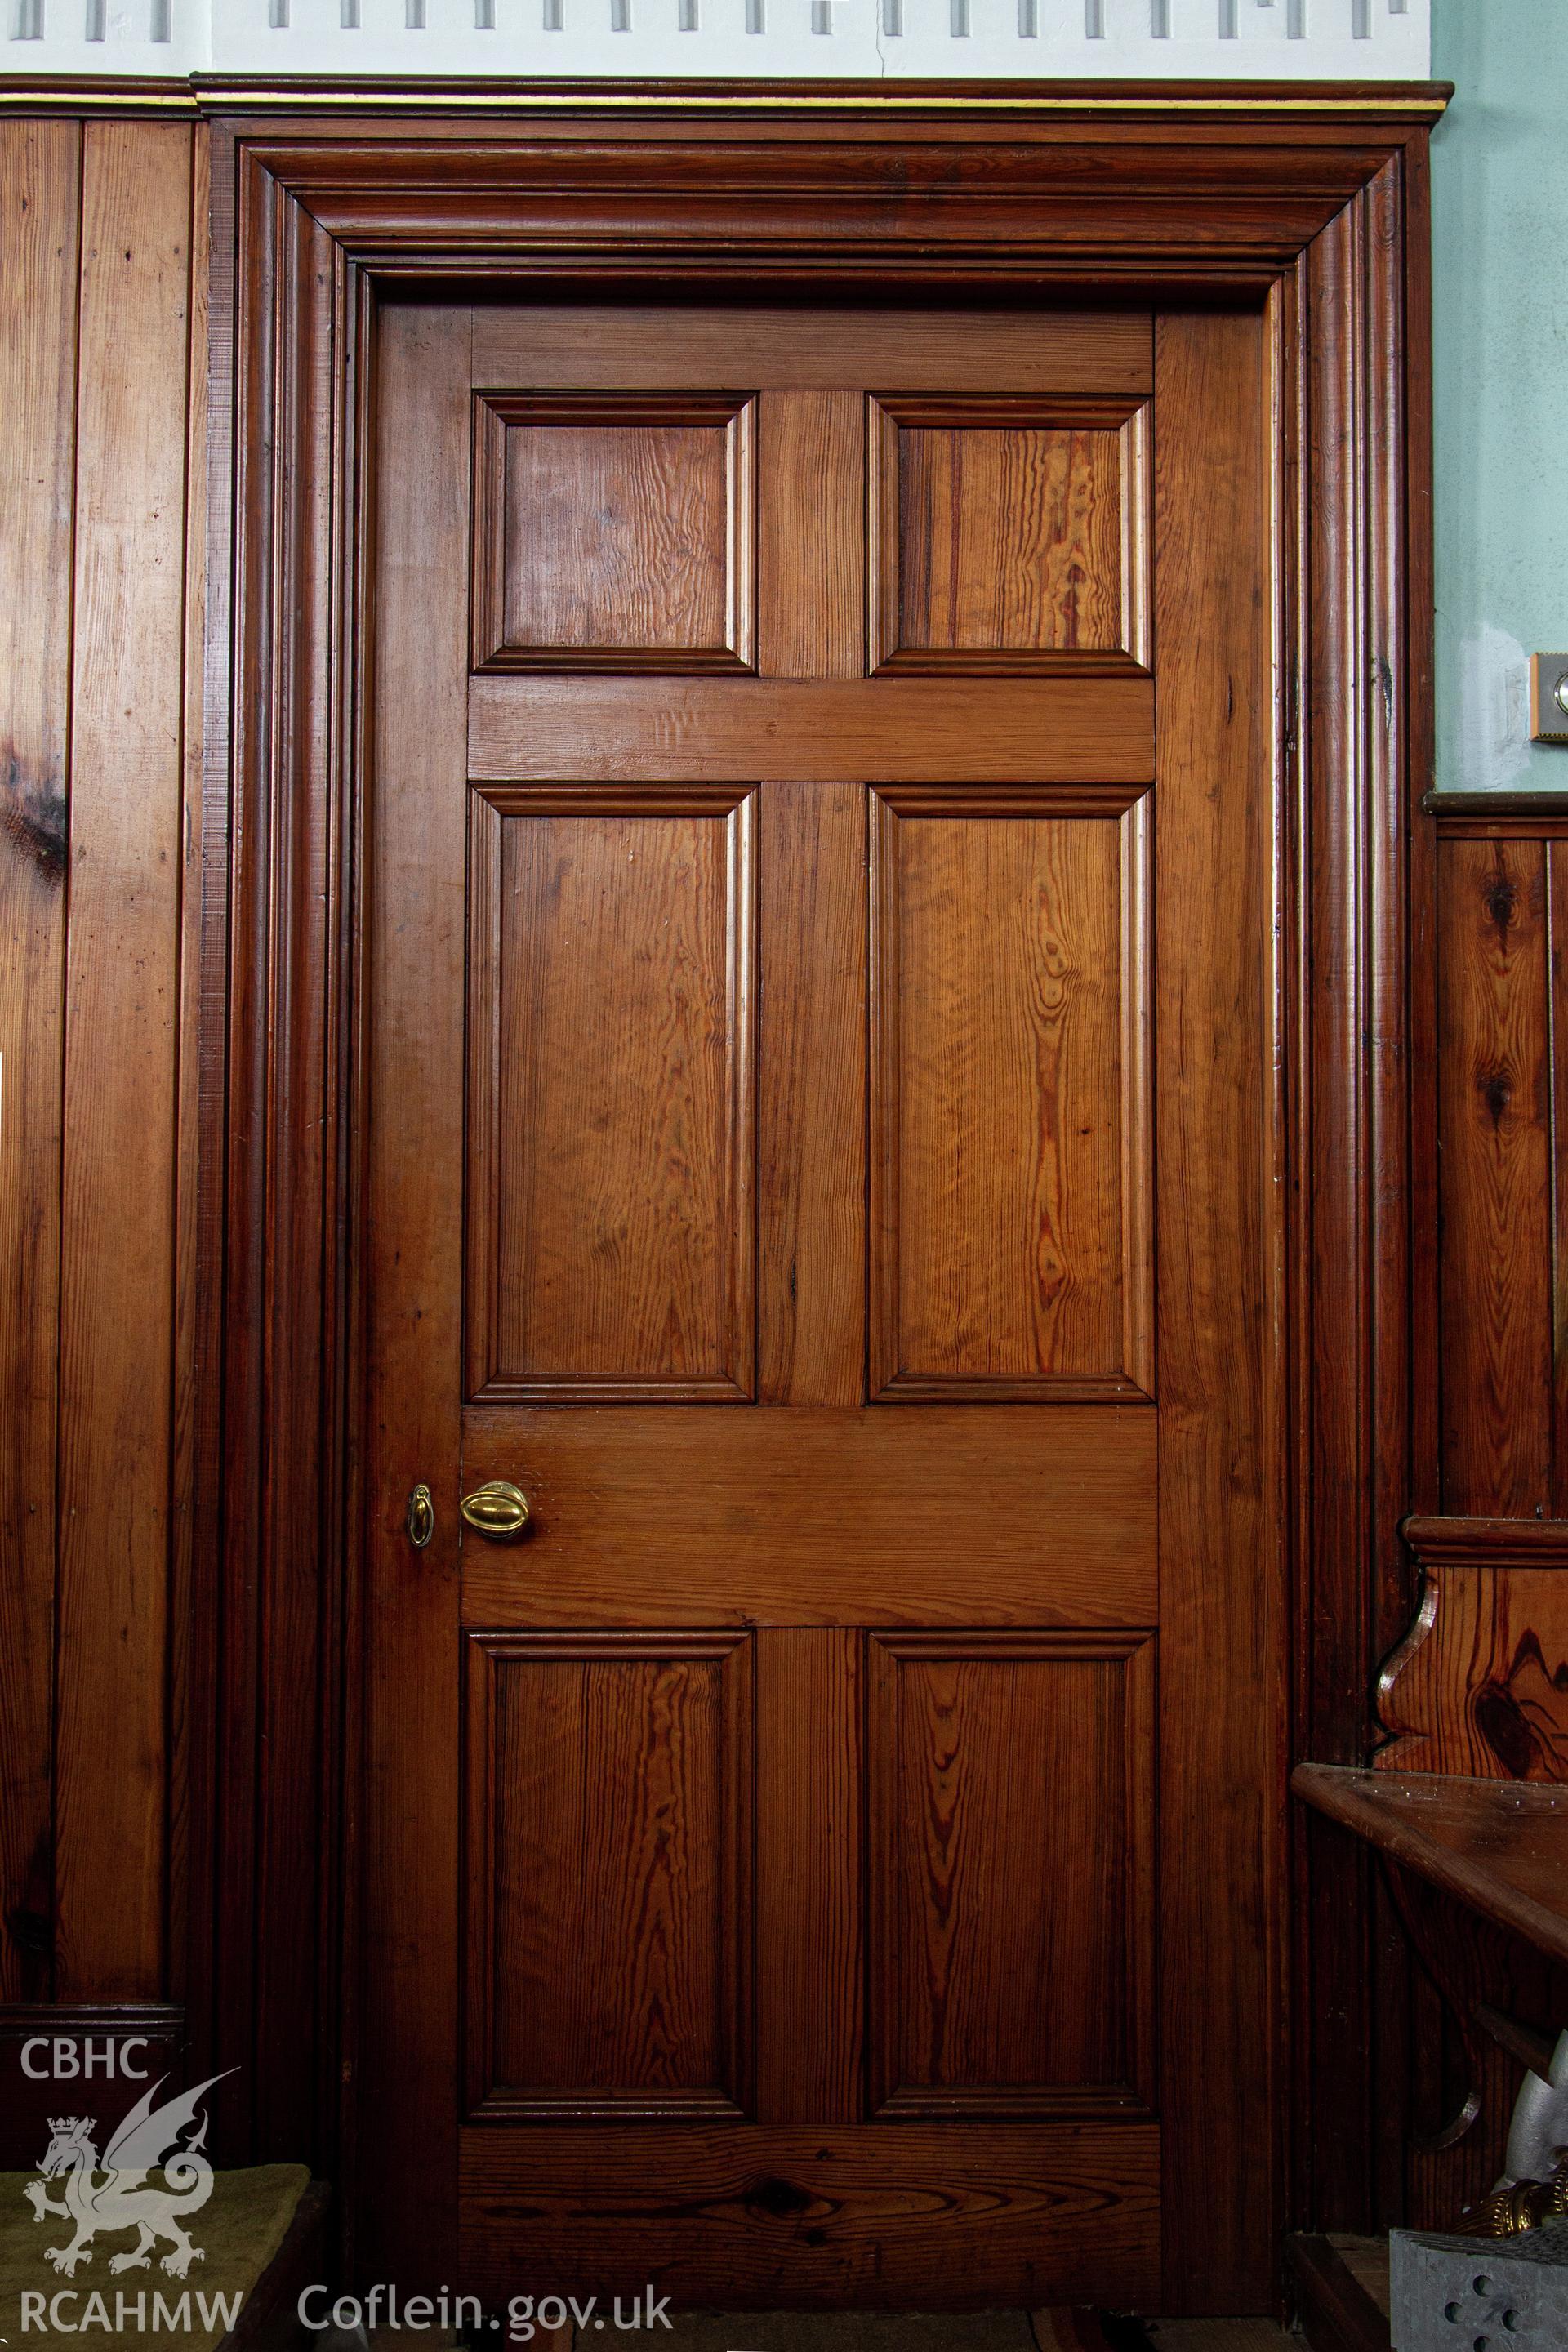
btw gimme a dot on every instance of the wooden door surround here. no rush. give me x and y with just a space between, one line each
1310 214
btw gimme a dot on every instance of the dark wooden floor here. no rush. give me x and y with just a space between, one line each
984 2331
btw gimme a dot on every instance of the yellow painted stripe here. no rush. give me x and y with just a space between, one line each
128 100
207 99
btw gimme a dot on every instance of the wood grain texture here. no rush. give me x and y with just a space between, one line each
1218 1314
610 1810
811 1114
816 1521
1011 1819
1408 741
413 1777
1557 972
1091 730
191 1719
1336 2312
828 2216
1495 1083
1480 1683
1467 1962
736 1517
285 1367
1000 533
117 1234
1502 816
612 533
1084 200
1499 1544
39 202
243 554
1499 1847
810 1880
919 199
1019 1271
811 547
1357 988
612 1074
803 348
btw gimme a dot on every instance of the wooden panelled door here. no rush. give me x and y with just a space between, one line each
822 1151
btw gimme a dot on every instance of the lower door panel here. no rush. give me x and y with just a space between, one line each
892 2216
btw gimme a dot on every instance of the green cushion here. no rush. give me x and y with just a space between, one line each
239 2229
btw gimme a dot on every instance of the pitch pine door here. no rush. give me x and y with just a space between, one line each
820 1151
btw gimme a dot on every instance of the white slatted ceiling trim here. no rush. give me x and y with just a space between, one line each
1147 39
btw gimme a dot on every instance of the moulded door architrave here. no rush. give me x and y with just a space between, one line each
1296 396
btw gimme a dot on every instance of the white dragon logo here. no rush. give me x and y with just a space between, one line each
147 2141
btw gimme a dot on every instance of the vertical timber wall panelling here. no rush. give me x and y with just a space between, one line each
39 167
1501 911
1500 923
117 1216
96 250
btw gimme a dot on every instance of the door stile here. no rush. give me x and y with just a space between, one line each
1222 1791
417 842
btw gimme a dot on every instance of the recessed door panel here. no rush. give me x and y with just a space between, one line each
612 531
1012 1816
1010 1155
608 1804
609 1216
1008 533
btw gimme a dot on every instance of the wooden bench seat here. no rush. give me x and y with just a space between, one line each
1500 1846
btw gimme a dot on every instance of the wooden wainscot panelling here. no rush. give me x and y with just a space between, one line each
1008 533
1480 1686
121 1040
40 168
612 530
1503 1268
611 1246
1025 1271
611 1823
1003 1767
73 2056
99 239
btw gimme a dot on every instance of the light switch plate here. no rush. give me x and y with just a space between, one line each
1549 698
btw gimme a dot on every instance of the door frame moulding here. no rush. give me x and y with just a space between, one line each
1321 219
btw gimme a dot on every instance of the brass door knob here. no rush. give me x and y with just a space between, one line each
497 1511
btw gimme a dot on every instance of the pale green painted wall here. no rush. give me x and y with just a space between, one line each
1500 192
